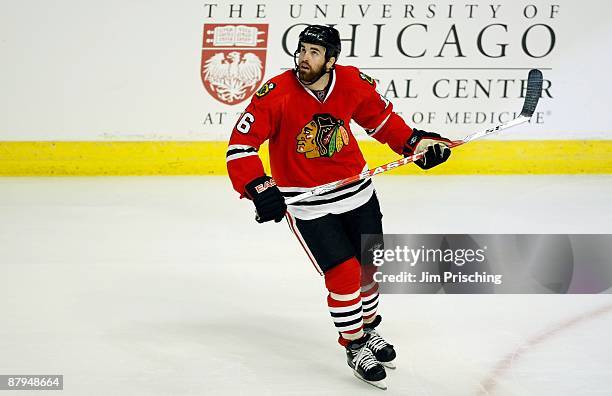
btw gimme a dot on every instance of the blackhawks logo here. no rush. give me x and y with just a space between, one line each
323 136
366 78
265 89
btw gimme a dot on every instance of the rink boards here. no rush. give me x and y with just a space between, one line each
73 158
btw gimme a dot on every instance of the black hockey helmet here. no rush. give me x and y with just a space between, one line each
323 35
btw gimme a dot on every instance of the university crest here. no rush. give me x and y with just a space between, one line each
233 60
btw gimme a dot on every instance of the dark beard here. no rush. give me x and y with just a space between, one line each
309 76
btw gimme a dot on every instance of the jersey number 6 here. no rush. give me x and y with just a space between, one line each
244 124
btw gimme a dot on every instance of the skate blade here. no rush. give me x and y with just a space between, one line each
389 365
378 384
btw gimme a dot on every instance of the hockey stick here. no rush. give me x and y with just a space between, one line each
534 91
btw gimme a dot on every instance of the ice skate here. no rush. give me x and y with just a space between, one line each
382 350
365 366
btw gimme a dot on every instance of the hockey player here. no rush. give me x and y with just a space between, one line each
304 114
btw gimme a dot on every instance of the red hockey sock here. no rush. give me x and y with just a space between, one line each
344 299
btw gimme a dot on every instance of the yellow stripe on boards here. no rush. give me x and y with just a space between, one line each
541 157
208 158
112 158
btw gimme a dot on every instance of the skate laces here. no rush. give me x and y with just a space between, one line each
376 342
365 359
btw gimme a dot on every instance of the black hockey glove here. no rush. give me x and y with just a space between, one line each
269 203
436 148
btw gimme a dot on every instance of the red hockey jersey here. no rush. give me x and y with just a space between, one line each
310 141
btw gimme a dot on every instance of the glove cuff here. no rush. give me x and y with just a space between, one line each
258 186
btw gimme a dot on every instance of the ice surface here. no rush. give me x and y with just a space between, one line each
167 286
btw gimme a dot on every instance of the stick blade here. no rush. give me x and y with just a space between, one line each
534 91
